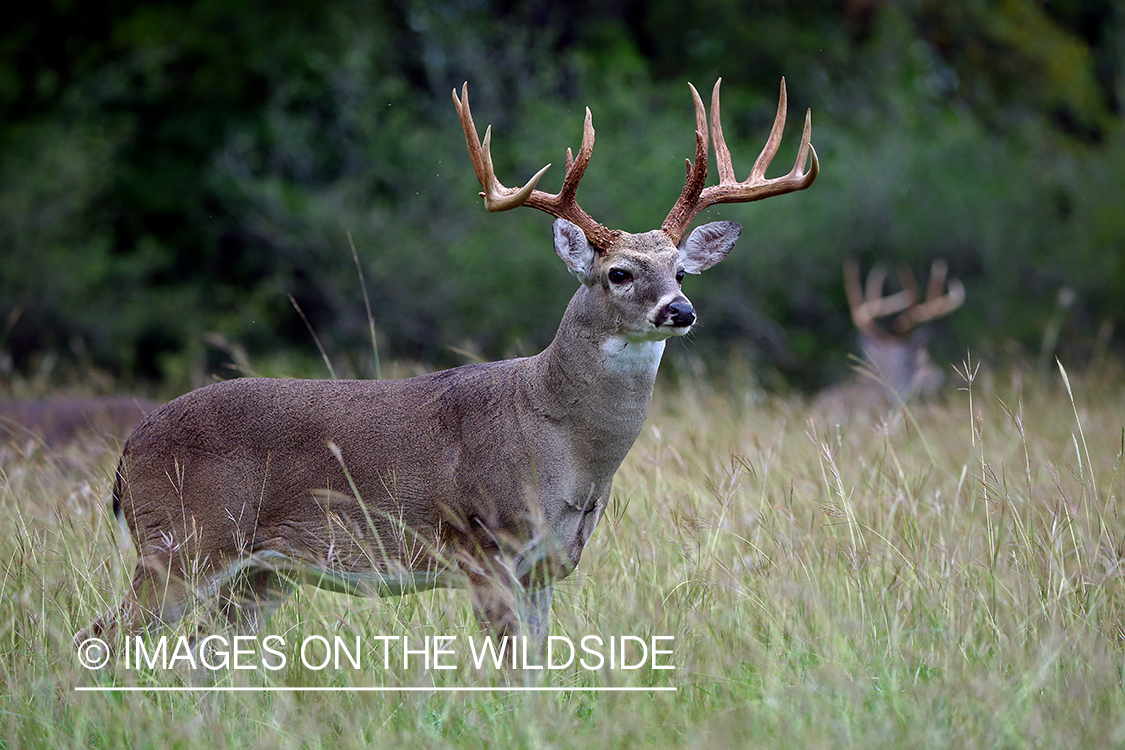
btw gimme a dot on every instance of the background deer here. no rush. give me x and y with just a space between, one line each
57 422
490 476
896 361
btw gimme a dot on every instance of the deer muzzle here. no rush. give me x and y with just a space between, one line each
680 313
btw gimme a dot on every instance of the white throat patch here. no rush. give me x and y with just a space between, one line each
631 357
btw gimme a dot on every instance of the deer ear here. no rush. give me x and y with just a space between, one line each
708 244
576 251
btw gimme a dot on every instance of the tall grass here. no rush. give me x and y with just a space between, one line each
949 576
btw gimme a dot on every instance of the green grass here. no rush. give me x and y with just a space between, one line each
952 578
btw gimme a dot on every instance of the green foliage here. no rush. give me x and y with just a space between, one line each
171 174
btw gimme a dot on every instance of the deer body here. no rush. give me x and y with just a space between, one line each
462 458
490 476
897 366
900 367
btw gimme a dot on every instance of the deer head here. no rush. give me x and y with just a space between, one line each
639 276
897 354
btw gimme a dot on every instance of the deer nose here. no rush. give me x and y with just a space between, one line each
681 314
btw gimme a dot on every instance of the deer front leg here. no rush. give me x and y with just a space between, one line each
253 594
535 615
515 600
508 609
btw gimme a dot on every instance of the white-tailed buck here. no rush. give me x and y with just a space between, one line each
61 421
489 476
897 365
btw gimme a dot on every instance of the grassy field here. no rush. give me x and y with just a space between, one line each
949 577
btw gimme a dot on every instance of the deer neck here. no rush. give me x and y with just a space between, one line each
597 377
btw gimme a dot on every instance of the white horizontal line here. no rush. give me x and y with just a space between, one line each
328 689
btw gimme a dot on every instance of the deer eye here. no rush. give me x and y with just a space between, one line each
679 277
619 276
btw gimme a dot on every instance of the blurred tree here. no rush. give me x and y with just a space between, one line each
173 170
1023 55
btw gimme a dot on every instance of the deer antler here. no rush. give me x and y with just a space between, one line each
563 204
695 197
868 304
936 304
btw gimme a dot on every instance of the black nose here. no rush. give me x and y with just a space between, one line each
681 313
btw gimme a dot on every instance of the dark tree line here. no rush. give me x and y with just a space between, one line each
172 173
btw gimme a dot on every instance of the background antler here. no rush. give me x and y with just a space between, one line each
563 205
936 304
695 197
869 304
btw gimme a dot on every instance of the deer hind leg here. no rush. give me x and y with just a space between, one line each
155 596
251 595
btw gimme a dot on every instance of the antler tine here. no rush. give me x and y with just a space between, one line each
684 210
868 303
873 290
576 168
562 204
854 292
762 163
796 179
496 196
938 271
756 186
722 153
